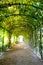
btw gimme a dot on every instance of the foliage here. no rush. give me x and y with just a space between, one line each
19 18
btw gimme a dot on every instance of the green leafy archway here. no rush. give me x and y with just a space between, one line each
22 16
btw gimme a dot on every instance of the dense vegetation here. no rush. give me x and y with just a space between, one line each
22 17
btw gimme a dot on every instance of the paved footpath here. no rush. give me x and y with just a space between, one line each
23 55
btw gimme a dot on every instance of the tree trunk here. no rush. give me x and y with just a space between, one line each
3 42
9 45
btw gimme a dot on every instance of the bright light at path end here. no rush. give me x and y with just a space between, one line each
20 38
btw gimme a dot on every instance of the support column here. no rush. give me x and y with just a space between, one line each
32 39
36 41
35 37
40 45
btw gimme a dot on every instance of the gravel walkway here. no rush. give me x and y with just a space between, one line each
23 55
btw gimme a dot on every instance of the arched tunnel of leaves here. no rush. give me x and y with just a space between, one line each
19 17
